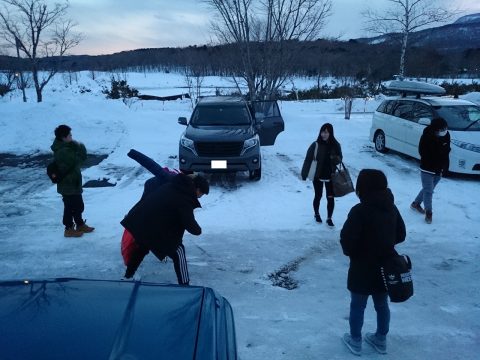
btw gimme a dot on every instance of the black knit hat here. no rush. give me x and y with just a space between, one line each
62 131
201 184
438 124
370 180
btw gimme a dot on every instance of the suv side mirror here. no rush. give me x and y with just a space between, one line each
182 120
424 121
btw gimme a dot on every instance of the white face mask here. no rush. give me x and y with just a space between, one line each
442 133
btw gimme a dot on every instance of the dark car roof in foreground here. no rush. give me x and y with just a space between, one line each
101 319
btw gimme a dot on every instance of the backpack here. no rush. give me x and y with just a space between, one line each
53 172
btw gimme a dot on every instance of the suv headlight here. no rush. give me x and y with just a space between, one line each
466 146
187 143
250 143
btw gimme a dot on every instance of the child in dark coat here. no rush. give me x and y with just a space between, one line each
158 221
369 235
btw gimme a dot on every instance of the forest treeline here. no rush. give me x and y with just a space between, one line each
341 59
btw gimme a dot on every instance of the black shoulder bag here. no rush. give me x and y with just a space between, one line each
397 277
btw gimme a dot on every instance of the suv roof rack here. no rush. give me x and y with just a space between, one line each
220 98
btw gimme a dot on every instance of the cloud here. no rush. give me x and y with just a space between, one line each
116 25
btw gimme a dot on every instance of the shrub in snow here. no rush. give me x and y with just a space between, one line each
119 89
4 89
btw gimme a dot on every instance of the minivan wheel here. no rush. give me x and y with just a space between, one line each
255 174
379 141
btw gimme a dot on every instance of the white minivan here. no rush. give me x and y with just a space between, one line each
398 124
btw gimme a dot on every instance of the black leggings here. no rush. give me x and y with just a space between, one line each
318 187
72 210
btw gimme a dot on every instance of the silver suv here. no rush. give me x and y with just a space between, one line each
224 134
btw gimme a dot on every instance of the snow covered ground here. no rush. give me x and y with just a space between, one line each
250 229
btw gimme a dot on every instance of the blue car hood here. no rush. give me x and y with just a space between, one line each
95 319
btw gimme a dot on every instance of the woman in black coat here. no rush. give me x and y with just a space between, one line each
327 152
369 235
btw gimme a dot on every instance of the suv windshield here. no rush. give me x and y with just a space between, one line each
461 117
220 115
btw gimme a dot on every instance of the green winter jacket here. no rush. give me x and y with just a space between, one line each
69 156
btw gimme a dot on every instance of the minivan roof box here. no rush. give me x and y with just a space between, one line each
409 87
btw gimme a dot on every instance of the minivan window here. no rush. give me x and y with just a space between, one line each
390 107
386 107
422 111
461 117
404 110
220 115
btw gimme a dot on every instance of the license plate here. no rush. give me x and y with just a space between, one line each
218 164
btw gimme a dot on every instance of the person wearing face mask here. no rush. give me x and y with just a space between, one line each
328 153
434 149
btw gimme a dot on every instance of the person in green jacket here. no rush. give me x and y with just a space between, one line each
69 155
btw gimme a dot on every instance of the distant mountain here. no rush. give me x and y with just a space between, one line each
461 35
468 19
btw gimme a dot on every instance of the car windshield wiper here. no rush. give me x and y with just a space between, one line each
470 125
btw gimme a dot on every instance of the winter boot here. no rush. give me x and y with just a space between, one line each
380 346
318 218
85 228
428 217
71 232
129 272
330 223
417 207
355 346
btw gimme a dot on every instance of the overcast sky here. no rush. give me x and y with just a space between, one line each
115 25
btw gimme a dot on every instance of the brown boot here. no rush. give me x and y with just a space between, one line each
85 228
417 207
71 232
428 217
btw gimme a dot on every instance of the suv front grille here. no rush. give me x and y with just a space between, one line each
219 149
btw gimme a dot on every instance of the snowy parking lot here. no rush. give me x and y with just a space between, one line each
254 233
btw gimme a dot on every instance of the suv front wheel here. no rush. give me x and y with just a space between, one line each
379 141
255 174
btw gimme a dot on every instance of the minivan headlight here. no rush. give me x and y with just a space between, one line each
466 146
250 143
188 143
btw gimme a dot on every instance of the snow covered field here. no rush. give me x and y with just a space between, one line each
250 229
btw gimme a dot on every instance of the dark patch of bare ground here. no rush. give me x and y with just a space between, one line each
42 159
282 277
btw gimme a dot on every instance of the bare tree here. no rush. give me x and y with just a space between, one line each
38 31
194 78
263 32
405 17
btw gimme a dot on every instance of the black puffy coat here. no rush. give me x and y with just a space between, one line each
369 235
159 220
434 151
